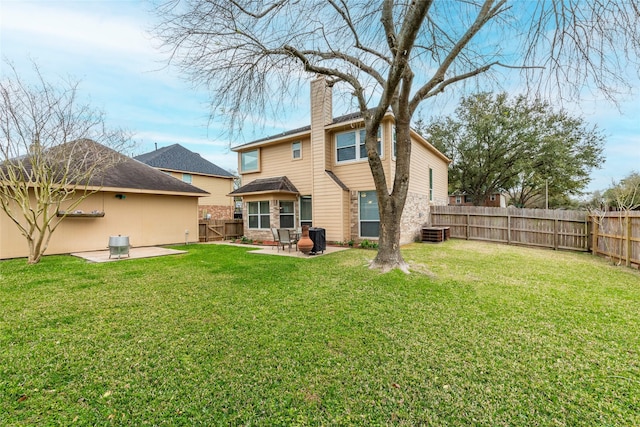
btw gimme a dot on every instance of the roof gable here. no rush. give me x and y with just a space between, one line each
176 157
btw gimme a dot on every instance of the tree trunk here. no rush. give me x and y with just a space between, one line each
391 205
389 255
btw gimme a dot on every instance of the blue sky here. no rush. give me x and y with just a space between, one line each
106 45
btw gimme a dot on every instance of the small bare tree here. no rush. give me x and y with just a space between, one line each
394 54
626 198
611 213
49 160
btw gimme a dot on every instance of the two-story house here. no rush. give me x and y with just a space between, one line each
319 176
190 167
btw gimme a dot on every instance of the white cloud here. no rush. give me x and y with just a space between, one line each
87 30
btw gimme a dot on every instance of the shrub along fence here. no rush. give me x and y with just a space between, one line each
615 234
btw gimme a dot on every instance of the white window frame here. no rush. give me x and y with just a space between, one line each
303 219
360 211
431 184
296 150
187 177
394 140
243 163
260 215
359 145
291 214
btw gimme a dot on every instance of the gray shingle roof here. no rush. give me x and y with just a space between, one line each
336 120
133 174
176 157
278 184
120 171
128 173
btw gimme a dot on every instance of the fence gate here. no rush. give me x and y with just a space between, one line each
219 229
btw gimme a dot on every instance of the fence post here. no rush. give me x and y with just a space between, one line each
508 228
594 244
467 234
555 234
628 220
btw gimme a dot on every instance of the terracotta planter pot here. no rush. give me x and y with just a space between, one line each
305 244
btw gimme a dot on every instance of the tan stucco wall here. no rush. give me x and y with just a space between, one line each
146 218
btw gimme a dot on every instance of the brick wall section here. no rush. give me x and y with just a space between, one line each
216 211
353 216
414 217
260 235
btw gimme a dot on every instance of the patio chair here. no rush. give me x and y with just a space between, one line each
276 238
286 238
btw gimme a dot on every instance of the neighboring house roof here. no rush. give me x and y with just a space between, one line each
125 172
132 174
279 184
129 173
177 158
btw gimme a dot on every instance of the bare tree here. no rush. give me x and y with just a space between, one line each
625 197
49 162
394 54
611 214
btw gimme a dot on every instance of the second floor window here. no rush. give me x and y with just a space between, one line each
350 146
296 150
249 161
186 177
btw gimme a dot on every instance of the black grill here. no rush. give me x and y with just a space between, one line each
318 235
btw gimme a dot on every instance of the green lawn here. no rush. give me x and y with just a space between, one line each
479 334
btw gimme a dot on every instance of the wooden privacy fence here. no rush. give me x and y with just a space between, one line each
617 235
555 229
219 229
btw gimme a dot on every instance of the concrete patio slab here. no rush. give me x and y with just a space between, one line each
154 251
134 253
